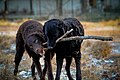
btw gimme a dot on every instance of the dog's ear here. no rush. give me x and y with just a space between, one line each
40 36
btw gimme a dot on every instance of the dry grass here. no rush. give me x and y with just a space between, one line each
7 59
111 23
97 48
7 66
104 28
6 72
6 42
6 25
12 23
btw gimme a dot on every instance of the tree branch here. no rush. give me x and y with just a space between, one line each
80 38
61 36
87 37
68 32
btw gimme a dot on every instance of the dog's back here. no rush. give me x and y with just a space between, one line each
75 25
30 27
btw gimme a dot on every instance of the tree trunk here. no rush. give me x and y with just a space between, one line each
31 7
5 9
59 7
83 4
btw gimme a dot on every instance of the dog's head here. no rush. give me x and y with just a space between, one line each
53 29
34 42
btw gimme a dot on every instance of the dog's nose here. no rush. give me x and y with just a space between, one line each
40 52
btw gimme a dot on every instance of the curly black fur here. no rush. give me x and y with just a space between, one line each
55 28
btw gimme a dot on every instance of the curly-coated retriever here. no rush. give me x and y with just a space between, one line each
30 37
55 28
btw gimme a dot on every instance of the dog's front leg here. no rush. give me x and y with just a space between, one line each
48 61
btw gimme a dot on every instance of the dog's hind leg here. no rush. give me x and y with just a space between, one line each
68 63
78 63
19 51
59 67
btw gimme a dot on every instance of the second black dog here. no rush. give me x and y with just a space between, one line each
55 28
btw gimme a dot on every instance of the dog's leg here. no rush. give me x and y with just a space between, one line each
33 71
44 70
19 52
59 67
46 66
78 70
68 63
48 56
31 54
38 66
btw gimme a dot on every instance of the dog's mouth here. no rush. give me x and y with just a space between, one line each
40 52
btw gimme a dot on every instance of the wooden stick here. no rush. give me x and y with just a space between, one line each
87 37
61 36
68 32
80 38
44 43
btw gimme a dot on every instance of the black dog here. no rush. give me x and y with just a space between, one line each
55 28
30 37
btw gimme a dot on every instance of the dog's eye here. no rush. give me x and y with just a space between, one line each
31 46
36 41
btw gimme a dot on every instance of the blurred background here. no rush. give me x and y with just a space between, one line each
100 60
45 9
